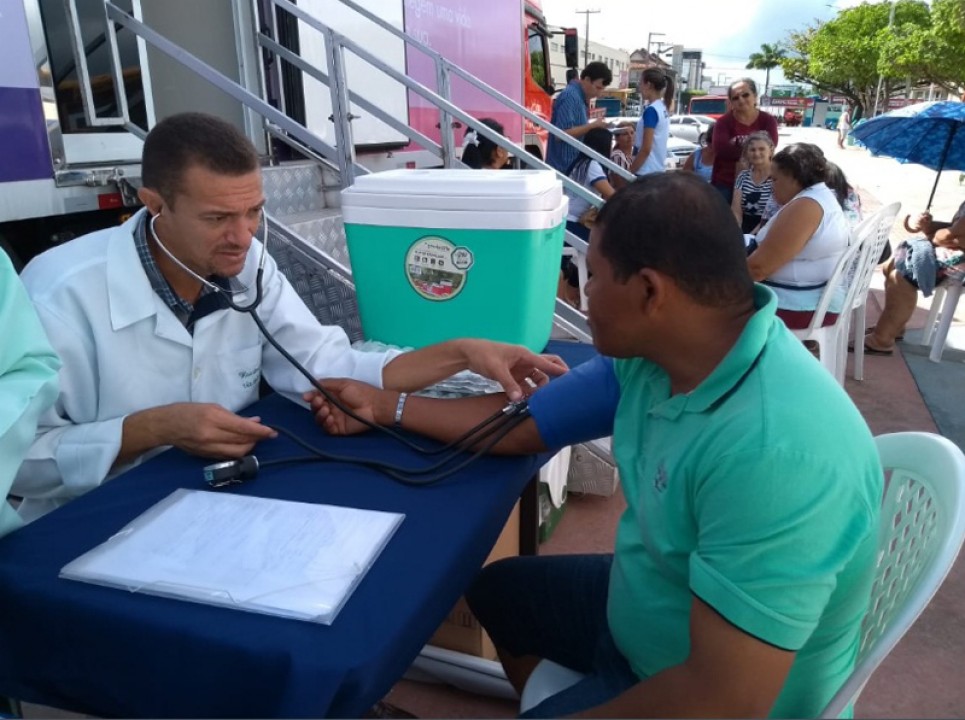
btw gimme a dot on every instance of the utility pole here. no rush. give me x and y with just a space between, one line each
586 35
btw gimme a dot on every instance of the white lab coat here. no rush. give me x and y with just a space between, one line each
123 351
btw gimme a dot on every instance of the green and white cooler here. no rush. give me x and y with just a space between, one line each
442 254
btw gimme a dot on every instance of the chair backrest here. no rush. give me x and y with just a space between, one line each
921 532
840 276
856 266
873 232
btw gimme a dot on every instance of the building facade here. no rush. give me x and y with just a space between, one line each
617 60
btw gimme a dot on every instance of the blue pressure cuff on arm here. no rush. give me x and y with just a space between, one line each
650 117
577 406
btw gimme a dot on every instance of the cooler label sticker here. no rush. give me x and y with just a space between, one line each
437 269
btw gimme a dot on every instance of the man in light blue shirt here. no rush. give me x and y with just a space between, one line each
28 381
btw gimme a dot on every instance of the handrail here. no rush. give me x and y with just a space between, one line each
278 133
303 140
299 62
223 83
479 84
445 106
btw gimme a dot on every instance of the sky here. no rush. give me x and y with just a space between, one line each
727 32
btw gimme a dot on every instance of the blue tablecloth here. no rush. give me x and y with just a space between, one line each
109 653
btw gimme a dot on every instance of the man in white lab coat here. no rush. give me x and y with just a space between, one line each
152 355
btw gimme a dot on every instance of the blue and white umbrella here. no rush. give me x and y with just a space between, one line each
927 133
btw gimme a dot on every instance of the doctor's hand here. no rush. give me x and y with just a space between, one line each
201 429
516 368
368 402
210 430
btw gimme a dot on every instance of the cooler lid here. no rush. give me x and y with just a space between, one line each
456 189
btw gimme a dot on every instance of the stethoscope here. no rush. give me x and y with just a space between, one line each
489 432
227 294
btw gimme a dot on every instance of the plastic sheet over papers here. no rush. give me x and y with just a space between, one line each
277 557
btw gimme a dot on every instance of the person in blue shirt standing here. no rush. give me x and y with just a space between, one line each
28 382
571 113
653 130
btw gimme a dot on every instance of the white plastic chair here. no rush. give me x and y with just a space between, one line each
940 316
547 679
874 230
921 532
831 339
854 269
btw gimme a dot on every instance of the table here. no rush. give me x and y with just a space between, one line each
105 652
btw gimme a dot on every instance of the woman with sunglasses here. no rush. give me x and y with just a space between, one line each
732 130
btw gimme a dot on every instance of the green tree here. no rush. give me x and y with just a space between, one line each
932 53
848 54
767 59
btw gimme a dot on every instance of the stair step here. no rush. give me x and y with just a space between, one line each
299 187
322 229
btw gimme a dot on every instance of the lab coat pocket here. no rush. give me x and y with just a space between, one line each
235 378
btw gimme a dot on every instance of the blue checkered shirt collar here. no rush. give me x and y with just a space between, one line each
179 306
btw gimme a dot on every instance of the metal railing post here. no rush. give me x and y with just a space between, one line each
341 109
446 135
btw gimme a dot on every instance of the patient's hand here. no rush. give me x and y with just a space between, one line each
365 401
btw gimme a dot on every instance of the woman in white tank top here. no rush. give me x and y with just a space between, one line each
798 248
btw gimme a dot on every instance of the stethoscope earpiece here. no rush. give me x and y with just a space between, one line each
229 294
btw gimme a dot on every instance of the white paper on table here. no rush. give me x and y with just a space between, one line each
278 557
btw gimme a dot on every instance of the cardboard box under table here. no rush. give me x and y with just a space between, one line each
442 254
461 631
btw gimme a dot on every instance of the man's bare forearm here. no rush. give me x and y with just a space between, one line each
447 420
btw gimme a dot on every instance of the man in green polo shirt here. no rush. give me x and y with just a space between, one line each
743 562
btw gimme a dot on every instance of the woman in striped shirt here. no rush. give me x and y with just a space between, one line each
753 186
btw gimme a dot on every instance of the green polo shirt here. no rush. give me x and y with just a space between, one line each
757 492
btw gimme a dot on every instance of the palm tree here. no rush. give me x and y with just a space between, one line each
769 57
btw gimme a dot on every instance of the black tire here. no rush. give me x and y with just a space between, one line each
701 138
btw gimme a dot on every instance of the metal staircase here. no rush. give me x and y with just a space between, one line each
304 196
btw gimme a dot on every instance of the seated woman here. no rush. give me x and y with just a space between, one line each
481 153
918 264
752 188
847 198
798 248
622 153
591 175
701 160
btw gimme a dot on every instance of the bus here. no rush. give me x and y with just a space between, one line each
713 106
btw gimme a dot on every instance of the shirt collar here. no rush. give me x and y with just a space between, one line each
179 306
736 364
578 85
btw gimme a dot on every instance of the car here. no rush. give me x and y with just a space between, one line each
678 149
690 127
793 116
